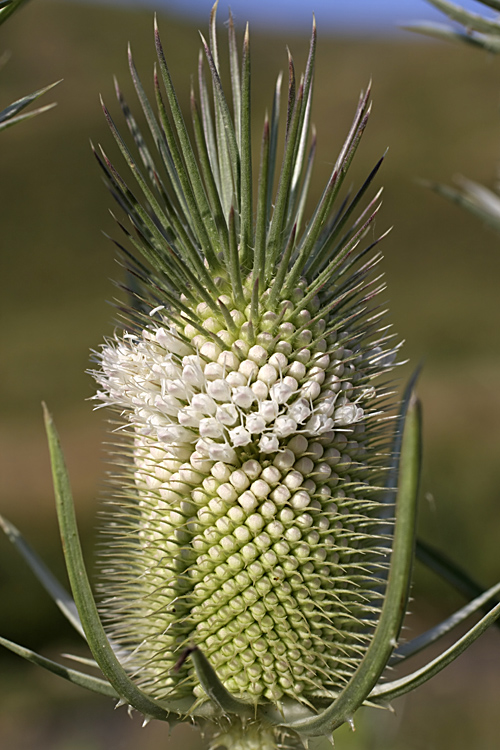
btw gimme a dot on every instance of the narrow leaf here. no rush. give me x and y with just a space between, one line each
136 134
304 191
96 684
391 690
495 4
449 571
434 634
205 225
291 93
235 77
94 631
9 7
46 578
209 176
227 134
25 101
448 34
190 254
273 144
282 268
4 124
470 20
336 227
216 690
258 273
208 125
223 157
9 115
275 237
332 189
159 140
475 198
234 264
246 206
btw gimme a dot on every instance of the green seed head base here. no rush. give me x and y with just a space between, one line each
249 735
247 517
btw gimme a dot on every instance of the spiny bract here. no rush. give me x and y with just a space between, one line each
247 518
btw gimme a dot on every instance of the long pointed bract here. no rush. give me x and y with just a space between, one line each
80 586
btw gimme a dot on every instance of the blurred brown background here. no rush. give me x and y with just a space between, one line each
437 108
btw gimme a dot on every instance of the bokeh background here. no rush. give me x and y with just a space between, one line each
437 109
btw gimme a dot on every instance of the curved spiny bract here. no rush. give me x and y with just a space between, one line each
249 519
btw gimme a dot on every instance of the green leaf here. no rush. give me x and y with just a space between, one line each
263 188
390 690
273 143
215 689
8 7
471 21
474 197
340 220
433 634
330 193
10 115
495 4
396 595
322 279
82 660
226 132
153 244
208 125
391 483
246 208
96 684
188 252
210 177
234 67
223 157
448 34
159 139
443 566
234 267
46 578
80 585
299 159
276 239
304 190
192 183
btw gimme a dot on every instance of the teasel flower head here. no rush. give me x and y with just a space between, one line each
258 540
248 520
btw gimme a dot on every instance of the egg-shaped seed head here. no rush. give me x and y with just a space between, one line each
247 516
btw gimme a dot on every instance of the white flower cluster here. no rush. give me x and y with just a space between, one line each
215 401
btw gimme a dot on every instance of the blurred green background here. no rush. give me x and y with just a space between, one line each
437 108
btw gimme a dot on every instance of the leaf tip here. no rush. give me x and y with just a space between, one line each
46 413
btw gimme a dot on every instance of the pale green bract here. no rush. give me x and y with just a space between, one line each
257 552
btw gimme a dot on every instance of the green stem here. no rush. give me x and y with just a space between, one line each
235 734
